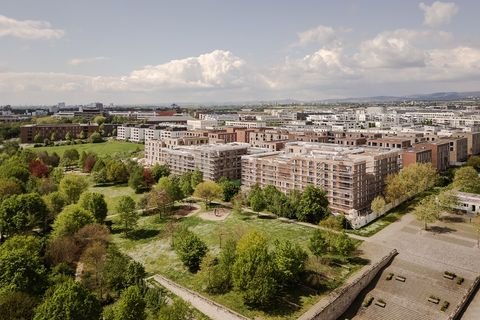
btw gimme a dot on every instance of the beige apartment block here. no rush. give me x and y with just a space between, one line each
213 160
351 176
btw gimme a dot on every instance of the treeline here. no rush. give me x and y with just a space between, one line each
311 205
56 256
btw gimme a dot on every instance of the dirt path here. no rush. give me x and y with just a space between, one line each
211 309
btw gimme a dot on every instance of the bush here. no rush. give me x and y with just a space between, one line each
460 280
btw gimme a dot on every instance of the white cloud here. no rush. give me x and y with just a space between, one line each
438 13
78 61
318 35
402 48
28 29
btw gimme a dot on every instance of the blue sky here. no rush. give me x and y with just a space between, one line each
199 51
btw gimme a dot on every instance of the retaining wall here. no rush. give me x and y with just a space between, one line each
339 300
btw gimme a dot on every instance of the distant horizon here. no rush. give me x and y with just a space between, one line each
207 51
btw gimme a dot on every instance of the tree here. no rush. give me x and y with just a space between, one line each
93 261
208 190
410 181
318 244
160 170
254 272
186 183
290 262
53 136
275 200
9 187
256 199
313 205
70 220
466 179
38 138
427 211
131 305
160 201
121 271
474 161
68 136
22 213
70 157
378 204
16 305
128 216
99 120
190 248
38 168
333 222
95 138
21 267
116 172
447 200
136 180
55 202
13 169
341 243
73 186
172 186
179 310
69 300
197 177
216 273
95 203
229 188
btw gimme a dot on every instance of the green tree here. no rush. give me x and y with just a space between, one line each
318 244
160 170
99 120
333 222
447 200
21 267
117 172
427 211
73 186
378 204
95 203
14 170
216 273
474 161
179 310
197 177
254 272
208 190
256 199
190 248
172 186
68 136
69 300
131 305
313 205
342 244
121 271
410 181
275 199
160 200
136 181
229 188
54 136
186 183
290 262
55 202
127 214
9 187
70 220
70 157
38 138
466 179
16 305
95 138
22 213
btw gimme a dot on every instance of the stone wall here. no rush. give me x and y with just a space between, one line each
339 300
460 308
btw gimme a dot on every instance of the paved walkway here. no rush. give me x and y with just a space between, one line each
211 309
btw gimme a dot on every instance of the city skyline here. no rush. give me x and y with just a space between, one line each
185 51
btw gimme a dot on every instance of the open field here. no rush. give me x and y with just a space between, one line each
150 244
113 194
102 149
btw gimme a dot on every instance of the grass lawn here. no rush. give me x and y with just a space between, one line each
113 193
150 244
393 215
109 147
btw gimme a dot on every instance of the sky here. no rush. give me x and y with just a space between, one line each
150 52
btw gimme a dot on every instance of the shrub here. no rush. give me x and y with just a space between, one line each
460 280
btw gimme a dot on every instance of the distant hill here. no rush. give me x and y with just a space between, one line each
437 96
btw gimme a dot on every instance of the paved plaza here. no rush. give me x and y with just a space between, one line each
424 256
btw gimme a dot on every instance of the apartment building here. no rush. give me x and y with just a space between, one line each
412 156
201 124
246 124
213 160
28 132
351 176
458 148
473 142
390 142
440 153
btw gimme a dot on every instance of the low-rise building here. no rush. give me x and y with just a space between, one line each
45 131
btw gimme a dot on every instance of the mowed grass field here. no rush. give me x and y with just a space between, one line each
109 147
113 194
150 244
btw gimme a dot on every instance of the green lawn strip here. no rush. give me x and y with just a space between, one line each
393 215
113 194
109 147
150 244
